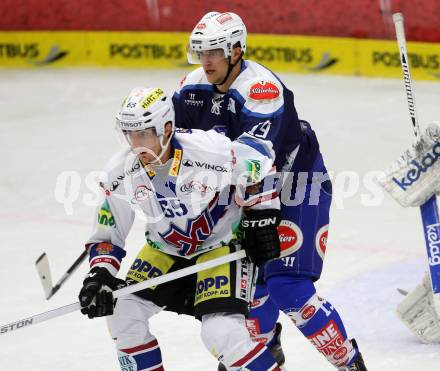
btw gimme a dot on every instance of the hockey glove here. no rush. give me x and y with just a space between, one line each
260 235
96 296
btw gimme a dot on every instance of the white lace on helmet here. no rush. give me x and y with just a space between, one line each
216 31
146 108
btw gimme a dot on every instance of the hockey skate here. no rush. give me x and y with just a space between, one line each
275 348
358 364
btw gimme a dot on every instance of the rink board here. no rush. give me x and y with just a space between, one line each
299 54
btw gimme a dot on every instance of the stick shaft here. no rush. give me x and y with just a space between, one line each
68 273
33 320
401 41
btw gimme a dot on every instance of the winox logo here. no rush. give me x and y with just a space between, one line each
433 236
415 172
204 165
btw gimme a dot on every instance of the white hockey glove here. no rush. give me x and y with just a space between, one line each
413 178
417 312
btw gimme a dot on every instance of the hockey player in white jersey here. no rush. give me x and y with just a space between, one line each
237 95
189 186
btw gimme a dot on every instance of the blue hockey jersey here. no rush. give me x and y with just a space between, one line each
257 103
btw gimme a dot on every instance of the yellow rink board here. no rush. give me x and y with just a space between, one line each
300 54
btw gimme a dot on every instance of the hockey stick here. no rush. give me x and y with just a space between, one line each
43 269
429 210
33 320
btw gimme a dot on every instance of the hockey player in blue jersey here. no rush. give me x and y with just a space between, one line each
234 96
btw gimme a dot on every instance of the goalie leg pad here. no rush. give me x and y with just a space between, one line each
418 313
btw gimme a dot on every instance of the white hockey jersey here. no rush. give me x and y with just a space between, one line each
195 207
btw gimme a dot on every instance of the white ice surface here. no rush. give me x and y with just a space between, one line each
57 120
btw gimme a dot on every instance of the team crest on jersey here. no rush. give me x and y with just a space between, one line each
291 237
188 240
104 248
321 240
264 91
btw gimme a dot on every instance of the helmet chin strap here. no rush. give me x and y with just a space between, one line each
163 147
230 67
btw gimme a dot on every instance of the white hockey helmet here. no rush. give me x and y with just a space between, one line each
146 108
216 31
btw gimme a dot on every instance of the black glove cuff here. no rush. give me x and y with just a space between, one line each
104 277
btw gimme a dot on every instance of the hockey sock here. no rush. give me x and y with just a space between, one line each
226 337
262 317
315 317
142 357
258 359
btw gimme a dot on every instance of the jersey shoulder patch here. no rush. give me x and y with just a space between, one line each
259 89
263 91
263 97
